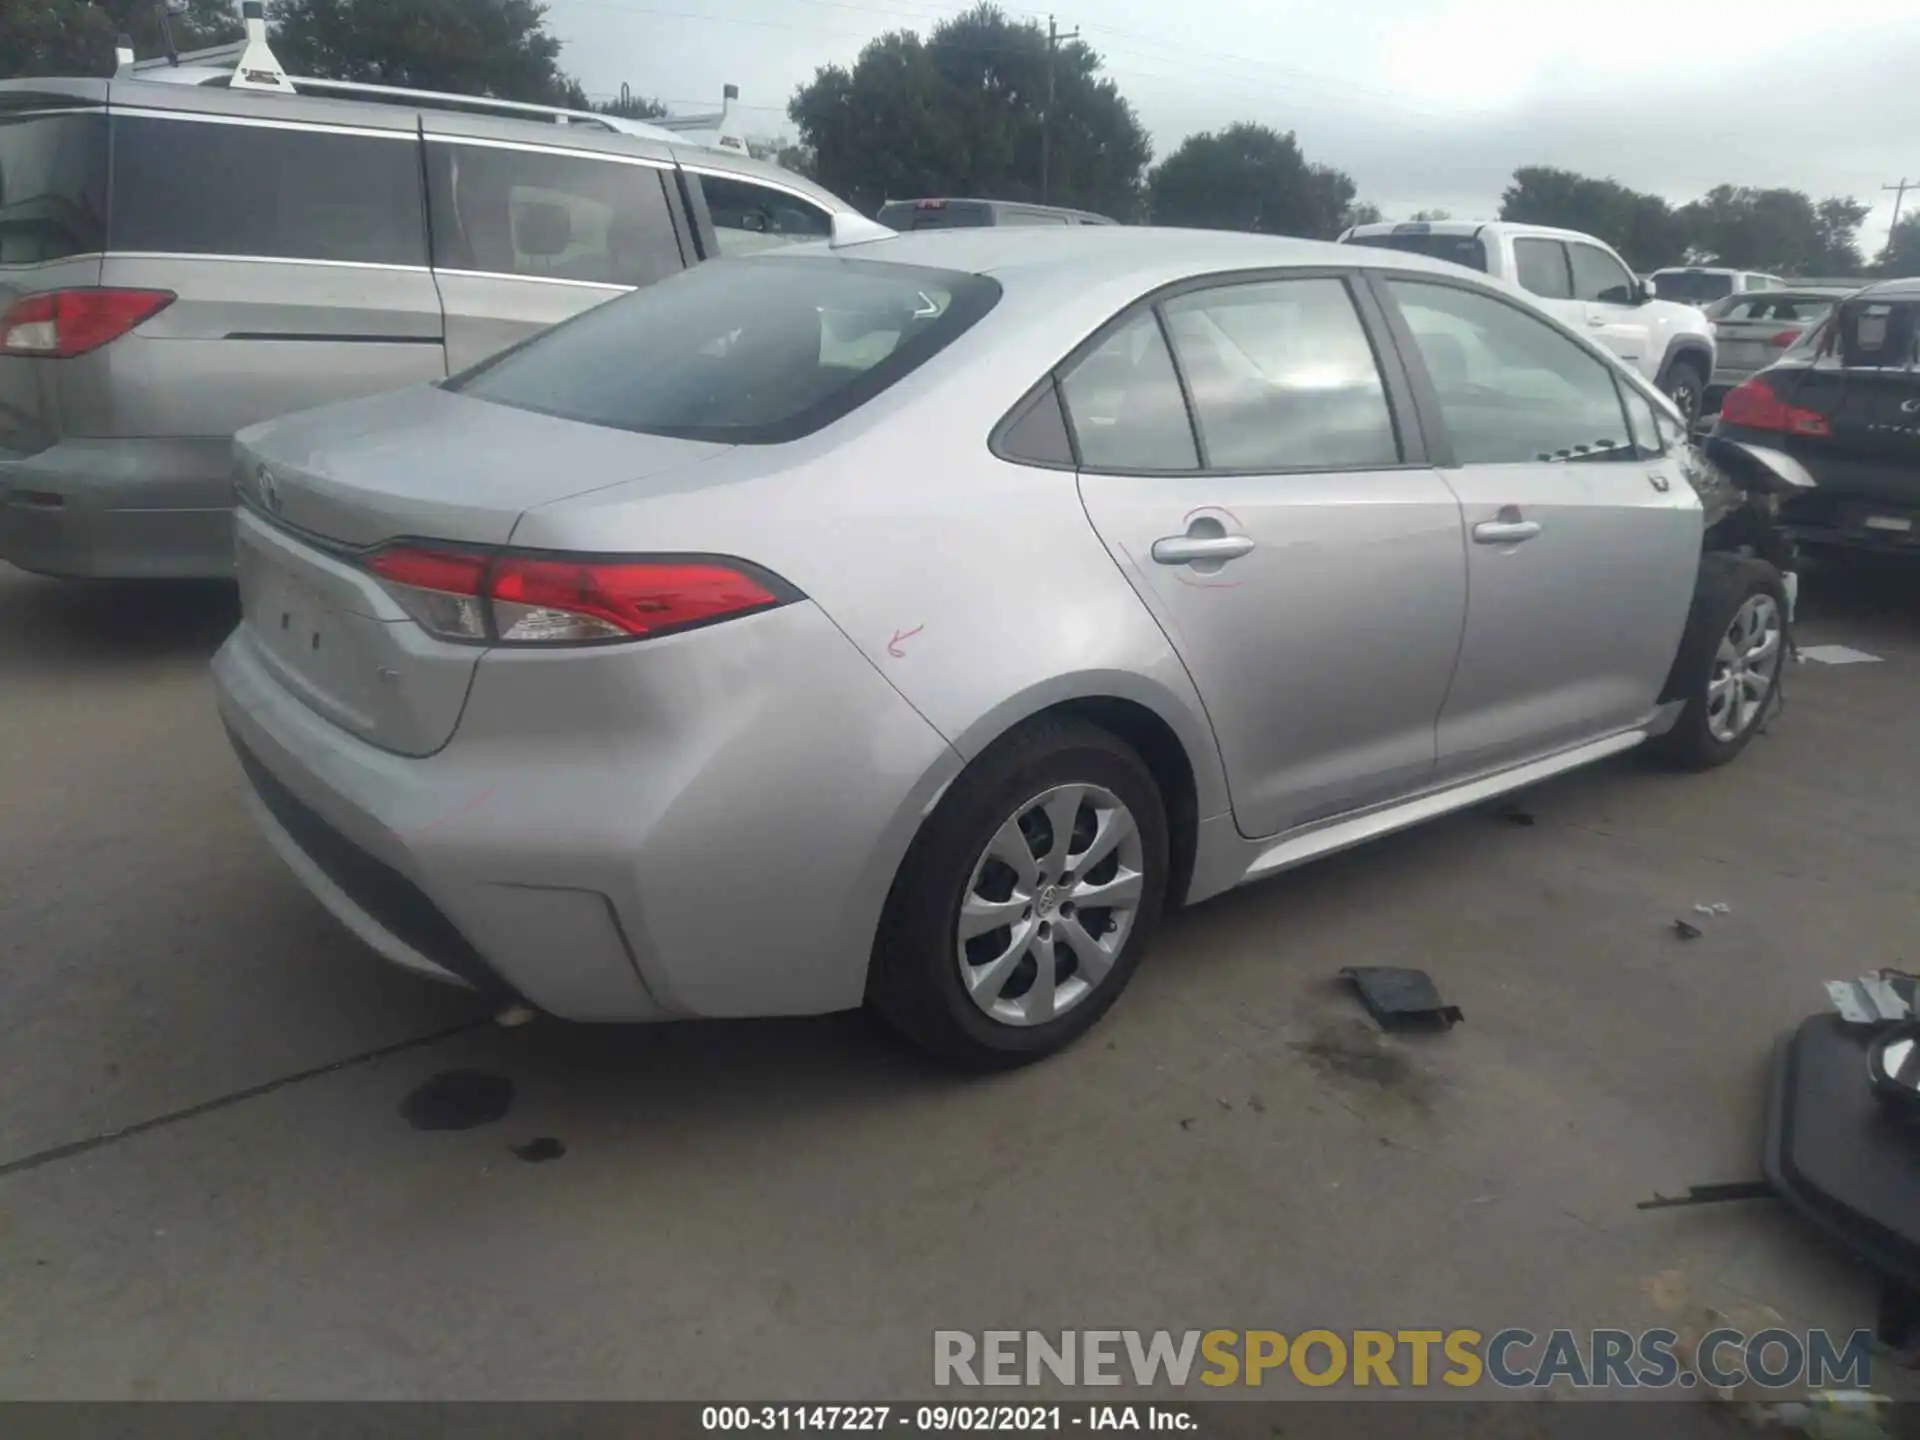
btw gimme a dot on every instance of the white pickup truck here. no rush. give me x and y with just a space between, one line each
1581 281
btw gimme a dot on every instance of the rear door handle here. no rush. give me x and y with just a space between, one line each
1505 532
1187 549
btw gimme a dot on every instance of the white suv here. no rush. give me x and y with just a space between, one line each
1581 281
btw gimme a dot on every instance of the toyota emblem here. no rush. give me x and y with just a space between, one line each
269 487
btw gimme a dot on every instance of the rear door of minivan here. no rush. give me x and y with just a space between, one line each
293 234
53 207
533 224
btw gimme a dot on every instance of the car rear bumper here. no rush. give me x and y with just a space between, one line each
707 829
137 509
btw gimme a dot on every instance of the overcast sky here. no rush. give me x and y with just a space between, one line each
1424 102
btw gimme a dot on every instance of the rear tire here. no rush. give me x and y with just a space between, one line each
969 987
1730 661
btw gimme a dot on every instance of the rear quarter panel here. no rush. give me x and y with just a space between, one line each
977 587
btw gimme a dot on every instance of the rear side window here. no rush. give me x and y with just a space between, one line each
749 218
1125 403
1282 377
935 214
755 352
53 183
193 187
1541 268
1598 276
1031 217
1459 249
548 216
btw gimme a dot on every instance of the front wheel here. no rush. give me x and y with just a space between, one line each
1729 665
1028 900
1687 388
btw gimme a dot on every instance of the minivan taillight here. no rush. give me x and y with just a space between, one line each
1755 404
530 598
60 324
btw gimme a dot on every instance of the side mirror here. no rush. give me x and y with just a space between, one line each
1643 292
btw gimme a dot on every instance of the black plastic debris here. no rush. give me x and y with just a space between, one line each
1717 1194
1401 999
458 1100
1514 815
534 1152
1687 930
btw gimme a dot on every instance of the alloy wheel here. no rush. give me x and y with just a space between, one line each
1050 904
1744 669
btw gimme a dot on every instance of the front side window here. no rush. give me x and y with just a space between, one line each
200 187
1125 403
753 353
1598 276
1511 387
1282 377
749 218
53 182
548 216
1541 268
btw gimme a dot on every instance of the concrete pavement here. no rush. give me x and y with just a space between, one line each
791 1208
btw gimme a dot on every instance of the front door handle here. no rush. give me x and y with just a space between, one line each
1596 321
1505 532
1192 549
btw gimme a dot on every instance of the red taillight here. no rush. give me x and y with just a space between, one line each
61 324
522 599
1754 404
1784 339
611 600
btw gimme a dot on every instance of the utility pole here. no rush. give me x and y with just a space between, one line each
1899 194
1054 37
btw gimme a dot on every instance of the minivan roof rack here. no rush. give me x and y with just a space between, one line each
254 66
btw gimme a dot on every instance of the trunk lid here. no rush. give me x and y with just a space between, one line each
420 464
438 466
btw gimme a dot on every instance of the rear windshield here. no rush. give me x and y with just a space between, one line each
935 214
1774 306
53 181
751 351
1460 249
1691 287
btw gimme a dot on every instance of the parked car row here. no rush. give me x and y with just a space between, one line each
1580 280
178 261
899 618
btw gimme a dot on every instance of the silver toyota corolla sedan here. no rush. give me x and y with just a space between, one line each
911 620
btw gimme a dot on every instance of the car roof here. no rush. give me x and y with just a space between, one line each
994 204
1086 255
139 91
1468 227
1903 288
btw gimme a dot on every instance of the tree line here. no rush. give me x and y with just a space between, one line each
964 111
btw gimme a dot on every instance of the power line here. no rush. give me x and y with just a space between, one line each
1054 37
1899 194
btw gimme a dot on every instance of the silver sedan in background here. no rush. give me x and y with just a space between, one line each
911 620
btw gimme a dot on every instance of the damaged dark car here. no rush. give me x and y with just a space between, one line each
1844 404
